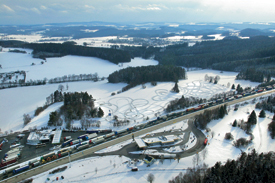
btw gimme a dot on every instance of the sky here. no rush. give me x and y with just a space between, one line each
131 11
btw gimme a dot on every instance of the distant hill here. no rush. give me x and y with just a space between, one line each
251 32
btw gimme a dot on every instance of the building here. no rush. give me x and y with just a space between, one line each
57 137
140 143
161 140
40 137
33 138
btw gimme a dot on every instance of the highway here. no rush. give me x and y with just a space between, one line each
198 147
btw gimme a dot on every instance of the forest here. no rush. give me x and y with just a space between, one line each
228 55
252 167
134 76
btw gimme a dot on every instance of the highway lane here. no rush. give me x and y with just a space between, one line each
198 147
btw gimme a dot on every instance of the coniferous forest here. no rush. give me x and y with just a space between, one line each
134 76
252 167
256 54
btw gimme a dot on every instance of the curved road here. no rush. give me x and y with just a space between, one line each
199 145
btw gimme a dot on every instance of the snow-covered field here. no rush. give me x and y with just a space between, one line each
58 67
135 104
117 169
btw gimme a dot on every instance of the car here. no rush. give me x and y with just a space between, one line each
134 169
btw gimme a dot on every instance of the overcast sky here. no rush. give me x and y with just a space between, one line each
60 11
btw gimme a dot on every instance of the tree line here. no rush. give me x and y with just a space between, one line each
44 50
112 55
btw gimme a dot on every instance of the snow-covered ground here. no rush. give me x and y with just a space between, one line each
182 125
116 147
117 169
136 104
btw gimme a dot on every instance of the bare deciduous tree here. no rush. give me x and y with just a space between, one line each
150 177
212 134
196 159
60 87
204 153
161 159
26 119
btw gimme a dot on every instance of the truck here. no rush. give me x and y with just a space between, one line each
190 110
83 143
40 145
82 136
33 161
90 136
66 143
98 141
12 153
62 154
76 142
93 131
48 157
131 128
221 100
8 161
21 169
238 96
66 149
205 141
67 138
10 169
109 135
35 164
82 147
260 90
120 131
169 156
197 108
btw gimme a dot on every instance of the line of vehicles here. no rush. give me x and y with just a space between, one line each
93 137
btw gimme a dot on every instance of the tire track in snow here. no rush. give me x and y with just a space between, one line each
260 131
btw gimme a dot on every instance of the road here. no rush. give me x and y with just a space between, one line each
198 147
